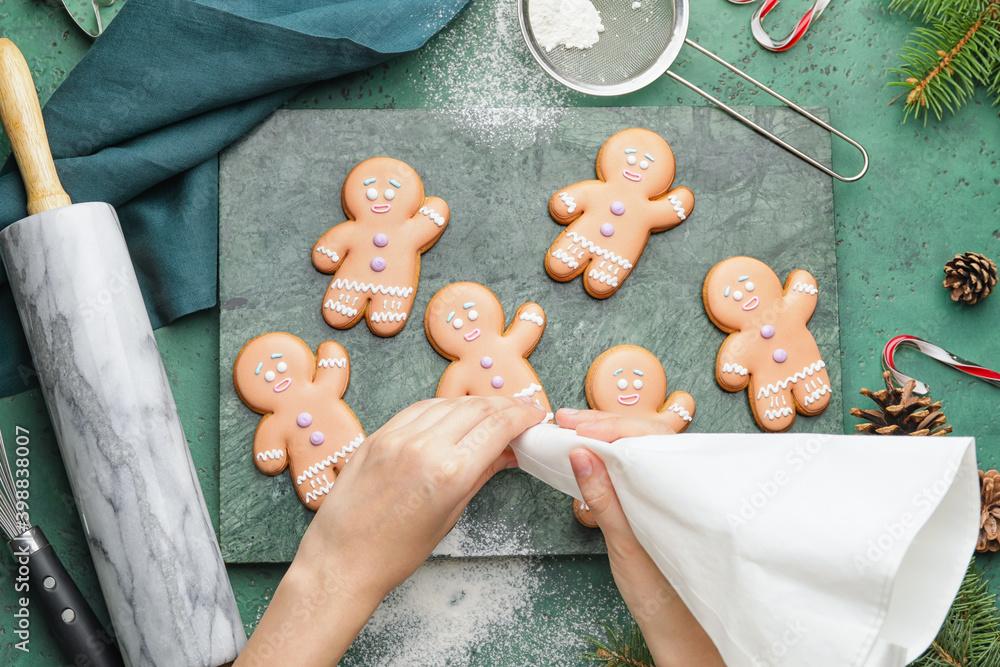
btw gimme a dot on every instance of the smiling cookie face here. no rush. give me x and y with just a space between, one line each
741 291
462 316
640 158
270 368
382 186
626 380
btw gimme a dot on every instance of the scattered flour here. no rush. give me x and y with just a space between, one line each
445 612
479 71
575 24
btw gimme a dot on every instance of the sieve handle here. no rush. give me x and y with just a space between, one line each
781 142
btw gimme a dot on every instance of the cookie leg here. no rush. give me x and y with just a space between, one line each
775 412
603 277
342 309
565 259
583 515
678 411
313 483
387 315
813 393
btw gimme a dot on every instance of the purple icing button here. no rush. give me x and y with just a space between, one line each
497 382
617 208
381 240
304 419
317 438
780 356
607 229
378 264
767 331
487 362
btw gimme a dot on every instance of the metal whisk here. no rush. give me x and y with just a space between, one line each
80 635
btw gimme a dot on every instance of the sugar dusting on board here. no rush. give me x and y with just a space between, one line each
575 24
478 70
476 612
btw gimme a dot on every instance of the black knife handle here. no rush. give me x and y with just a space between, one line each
80 635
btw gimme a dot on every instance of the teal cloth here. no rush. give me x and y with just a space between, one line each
141 119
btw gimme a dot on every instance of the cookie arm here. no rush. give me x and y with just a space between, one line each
430 220
333 368
569 203
527 327
330 250
673 209
678 411
801 291
729 372
269 452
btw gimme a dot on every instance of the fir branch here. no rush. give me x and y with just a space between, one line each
944 62
970 636
624 647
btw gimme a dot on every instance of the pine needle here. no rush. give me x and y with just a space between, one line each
623 647
946 61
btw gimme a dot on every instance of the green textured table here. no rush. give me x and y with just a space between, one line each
932 191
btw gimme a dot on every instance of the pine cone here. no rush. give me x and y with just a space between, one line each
900 412
989 529
970 277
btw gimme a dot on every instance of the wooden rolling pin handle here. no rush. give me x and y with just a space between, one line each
22 120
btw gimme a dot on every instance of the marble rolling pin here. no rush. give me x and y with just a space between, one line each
125 453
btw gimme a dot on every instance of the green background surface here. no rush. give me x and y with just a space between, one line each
272 210
932 191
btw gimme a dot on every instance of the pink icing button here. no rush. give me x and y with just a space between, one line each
497 382
378 264
381 240
780 356
607 229
617 208
317 438
767 331
304 419
487 362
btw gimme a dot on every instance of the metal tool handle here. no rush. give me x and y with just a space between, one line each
781 142
22 120
81 636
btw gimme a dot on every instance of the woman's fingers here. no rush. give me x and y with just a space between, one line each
488 439
607 427
599 494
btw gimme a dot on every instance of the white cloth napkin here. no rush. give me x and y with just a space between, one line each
794 550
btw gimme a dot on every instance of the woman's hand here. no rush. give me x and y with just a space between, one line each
398 496
673 635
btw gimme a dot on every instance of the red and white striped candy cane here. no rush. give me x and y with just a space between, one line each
765 40
936 353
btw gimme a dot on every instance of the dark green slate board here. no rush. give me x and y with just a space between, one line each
280 190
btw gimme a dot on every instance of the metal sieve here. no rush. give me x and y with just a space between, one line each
636 48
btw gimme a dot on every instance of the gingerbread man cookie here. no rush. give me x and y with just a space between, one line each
465 323
610 219
306 426
375 255
629 380
769 347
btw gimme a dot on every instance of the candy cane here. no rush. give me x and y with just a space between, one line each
936 353
771 44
